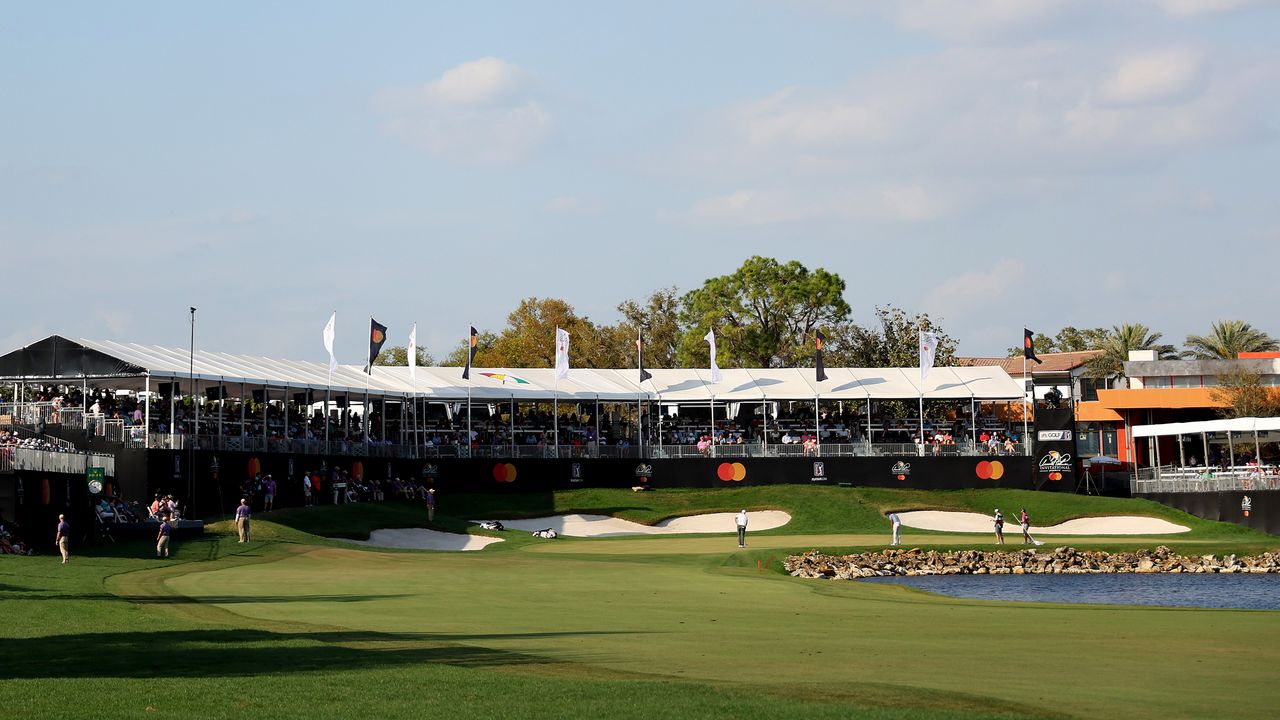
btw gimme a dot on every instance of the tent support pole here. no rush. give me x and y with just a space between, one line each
1204 441
764 413
868 424
817 427
1231 448
146 414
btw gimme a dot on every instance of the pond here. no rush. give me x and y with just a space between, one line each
1252 592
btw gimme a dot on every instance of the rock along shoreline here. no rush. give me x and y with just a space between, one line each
1062 560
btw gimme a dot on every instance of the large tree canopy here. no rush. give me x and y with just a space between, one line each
893 341
529 338
399 356
1227 339
1116 346
763 313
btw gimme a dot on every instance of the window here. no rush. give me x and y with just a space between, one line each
1155 382
1187 381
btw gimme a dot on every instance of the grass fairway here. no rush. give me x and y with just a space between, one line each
688 626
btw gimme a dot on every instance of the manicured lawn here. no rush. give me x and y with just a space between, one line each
293 625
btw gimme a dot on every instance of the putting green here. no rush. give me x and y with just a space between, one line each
677 608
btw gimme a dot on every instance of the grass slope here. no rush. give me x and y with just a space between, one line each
295 625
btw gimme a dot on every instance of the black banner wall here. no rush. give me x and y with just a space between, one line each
218 485
1259 510
1053 446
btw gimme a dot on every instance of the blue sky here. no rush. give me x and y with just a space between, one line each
992 162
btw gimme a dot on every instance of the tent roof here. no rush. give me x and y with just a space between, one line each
57 359
1235 425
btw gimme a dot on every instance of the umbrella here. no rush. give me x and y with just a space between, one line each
1102 460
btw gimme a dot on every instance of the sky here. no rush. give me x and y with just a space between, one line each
994 163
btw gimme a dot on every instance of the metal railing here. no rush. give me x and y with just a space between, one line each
1170 478
27 459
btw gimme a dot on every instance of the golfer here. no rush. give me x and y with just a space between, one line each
162 539
897 528
999 522
742 528
1026 526
431 504
60 539
242 519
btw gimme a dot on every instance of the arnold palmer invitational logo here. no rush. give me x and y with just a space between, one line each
900 470
1055 464
644 470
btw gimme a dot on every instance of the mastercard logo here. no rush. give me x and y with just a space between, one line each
902 477
504 472
1055 476
731 472
990 470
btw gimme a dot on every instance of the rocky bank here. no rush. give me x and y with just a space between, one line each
1062 560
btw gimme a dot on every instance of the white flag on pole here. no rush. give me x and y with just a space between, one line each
715 367
928 348
328 340
562 354
413 353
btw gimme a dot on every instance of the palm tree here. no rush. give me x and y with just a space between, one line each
1119 341
1227 339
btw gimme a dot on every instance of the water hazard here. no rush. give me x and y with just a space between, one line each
1252 592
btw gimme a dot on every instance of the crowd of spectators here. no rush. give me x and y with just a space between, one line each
11 439
9 542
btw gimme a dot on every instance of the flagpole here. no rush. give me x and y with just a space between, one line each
328 388
1026 444
639 392
367 375
555 415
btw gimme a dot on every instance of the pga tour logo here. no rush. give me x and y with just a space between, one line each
900 470
819 472
575 472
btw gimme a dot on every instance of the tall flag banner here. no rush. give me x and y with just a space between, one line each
413 353
471 354
1029 346
928 349
818 341
644 374
377 336
715 367
562 354
328 340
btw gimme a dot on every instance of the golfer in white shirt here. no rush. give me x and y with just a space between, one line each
742 528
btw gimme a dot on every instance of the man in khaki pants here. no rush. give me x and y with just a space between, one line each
242 520
64 529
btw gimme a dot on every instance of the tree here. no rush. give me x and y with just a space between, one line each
1227 339
529 338
1120 340
659 317
1068 339
399 356
1244 395
894 341
457 357
764 313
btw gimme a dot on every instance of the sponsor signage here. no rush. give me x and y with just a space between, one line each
1053 435
819 472
1246 505
644 470
900 470
575 472
1055 464
96 476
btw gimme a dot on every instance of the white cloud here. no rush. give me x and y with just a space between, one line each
964 294
1197 8
977 18
1156 76
482 112
573 205
885 202
477 82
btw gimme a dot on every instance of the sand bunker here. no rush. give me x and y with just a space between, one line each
422 539
968 522
606 526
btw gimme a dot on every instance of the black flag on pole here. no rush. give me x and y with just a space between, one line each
644 374
377 336
1029 346
819 340
471 354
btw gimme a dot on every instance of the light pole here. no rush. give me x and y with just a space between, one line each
195 421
